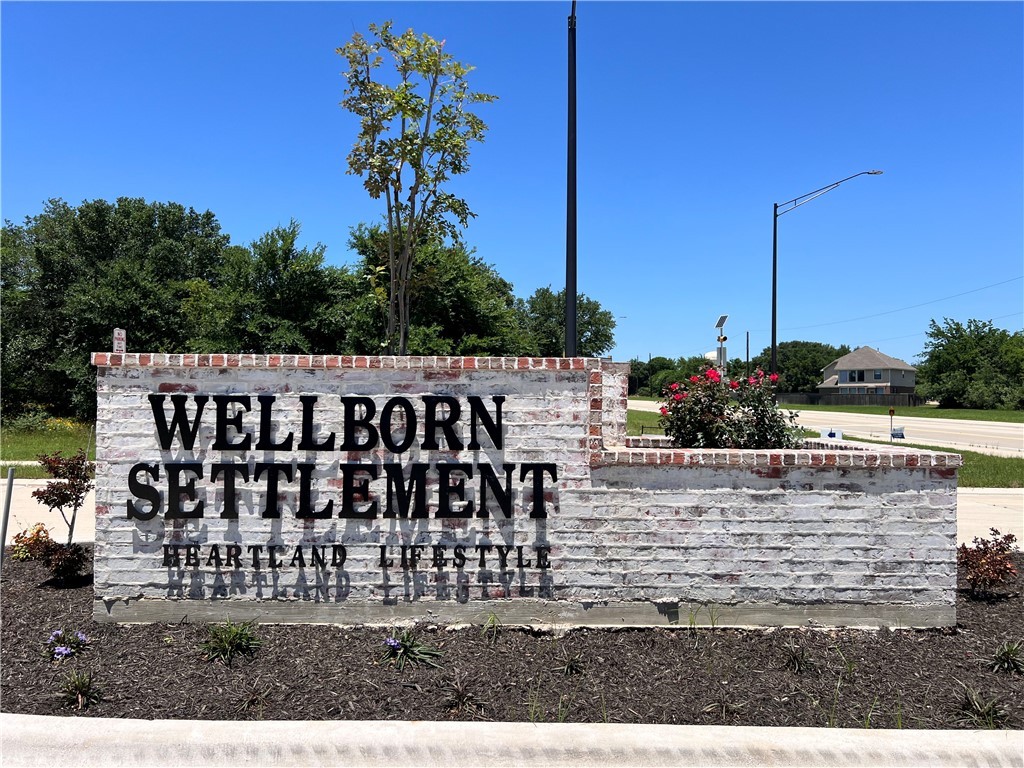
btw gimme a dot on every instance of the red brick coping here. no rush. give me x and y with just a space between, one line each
395 362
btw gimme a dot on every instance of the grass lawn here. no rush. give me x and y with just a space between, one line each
646 419
923 411
979 470
16 445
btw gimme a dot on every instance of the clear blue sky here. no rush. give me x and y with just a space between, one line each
694 118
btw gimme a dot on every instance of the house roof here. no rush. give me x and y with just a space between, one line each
866 357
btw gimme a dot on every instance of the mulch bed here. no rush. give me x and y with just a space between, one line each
846 678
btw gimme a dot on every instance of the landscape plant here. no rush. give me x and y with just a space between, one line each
79 689
225 641
1009 657
63 644
988 563
415 130
66 492
407 649
31 544
710 411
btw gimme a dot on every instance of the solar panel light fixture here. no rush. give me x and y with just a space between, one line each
720 327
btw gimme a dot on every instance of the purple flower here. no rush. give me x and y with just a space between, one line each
392 643
61 652
55 634
81 637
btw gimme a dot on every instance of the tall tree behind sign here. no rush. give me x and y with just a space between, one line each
414 135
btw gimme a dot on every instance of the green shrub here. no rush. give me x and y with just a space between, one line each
79 690
406 649
979 712
227 640
1009 657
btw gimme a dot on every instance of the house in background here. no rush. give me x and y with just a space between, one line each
866 376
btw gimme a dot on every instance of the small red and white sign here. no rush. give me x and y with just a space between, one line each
119 340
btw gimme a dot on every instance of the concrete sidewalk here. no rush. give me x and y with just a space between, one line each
83 742
978 509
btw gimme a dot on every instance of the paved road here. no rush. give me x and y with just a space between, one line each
993 437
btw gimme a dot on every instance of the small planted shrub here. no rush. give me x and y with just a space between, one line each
571 662
406 649
460 698
492 628
66 492
797 659
988 563
979 712
1009 657
227 640
31 544
65 561
708 411
64 644
79 690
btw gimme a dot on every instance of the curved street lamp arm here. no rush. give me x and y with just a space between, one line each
796 202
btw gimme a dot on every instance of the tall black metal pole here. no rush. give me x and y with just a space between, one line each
570 213
775 281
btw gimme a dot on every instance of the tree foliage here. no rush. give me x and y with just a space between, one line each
414 135
800 363
170 278
71 275
460 304
972 366
544 317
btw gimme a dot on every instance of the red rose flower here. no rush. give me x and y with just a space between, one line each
695 379
677 396
734 385
674 386
773 378
664 411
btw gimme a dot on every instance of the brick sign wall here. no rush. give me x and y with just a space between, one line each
370 489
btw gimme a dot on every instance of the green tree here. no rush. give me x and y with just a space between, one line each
544 318
460 305
71 275
681 370
800 363
414 135
972 366
272 297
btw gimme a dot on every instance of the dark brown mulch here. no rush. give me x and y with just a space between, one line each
847 678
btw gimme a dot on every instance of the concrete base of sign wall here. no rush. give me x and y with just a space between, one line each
30 740
525 612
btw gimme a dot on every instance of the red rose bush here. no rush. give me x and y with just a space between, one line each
708 411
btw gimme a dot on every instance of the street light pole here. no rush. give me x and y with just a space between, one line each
793 204
570 209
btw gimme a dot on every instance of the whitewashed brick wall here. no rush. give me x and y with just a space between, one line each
635 531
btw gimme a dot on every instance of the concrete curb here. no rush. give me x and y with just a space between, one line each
82 742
